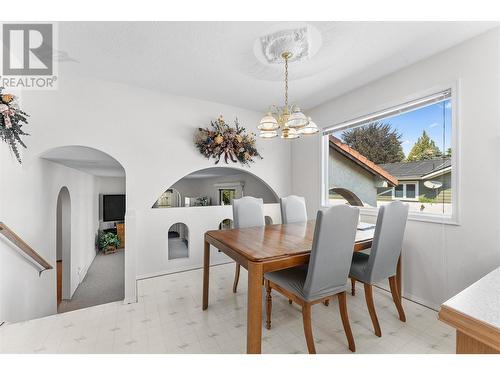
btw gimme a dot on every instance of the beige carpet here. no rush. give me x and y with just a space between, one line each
104 283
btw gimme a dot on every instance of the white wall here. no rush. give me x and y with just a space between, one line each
439 260
28 201
150 134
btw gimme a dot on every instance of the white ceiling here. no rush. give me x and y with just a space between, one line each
87 160
215 61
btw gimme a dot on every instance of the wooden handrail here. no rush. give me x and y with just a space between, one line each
24 247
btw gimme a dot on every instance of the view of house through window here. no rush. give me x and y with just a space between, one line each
405 156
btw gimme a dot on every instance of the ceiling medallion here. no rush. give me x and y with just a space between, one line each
289 119
296 42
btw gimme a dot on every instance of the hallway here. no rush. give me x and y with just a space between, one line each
103 283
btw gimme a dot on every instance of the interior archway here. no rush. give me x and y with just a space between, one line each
215 186
94 272
63 245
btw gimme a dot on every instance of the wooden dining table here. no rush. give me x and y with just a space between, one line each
265 249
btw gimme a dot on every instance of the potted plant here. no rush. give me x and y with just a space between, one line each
108 242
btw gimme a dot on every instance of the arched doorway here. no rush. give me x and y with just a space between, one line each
93 272
63 245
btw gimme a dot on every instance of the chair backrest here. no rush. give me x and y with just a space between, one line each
293 209
248 212
332 249
387 241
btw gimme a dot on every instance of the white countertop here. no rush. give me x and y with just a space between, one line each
481 300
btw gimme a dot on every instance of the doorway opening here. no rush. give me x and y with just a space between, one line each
63 245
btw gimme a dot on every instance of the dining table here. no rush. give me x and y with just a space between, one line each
266 249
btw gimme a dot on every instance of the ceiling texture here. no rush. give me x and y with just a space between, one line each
222 62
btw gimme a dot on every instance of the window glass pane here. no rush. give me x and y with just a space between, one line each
398 191
410 191
406 156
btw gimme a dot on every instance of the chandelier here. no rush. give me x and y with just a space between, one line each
289 119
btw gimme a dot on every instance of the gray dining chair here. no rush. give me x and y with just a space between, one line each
293 209
326 274
382 261
247 212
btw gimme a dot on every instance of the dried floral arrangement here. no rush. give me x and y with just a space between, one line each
12 120
221 140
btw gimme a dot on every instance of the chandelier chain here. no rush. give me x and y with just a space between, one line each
286 82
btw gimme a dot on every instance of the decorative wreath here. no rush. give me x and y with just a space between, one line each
12 119
222 140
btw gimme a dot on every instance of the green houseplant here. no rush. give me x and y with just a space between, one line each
108 242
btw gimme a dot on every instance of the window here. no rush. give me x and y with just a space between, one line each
226 196
401 153
406 191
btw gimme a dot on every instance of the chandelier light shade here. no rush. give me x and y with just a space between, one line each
297 119
268 123
290 119
268 133
310 128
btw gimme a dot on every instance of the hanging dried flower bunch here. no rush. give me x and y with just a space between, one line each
221 140
12 120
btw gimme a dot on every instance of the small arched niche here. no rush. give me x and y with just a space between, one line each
226 224
215 186
178 241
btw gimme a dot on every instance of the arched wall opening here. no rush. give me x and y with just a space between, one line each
98 208
215 186
63 245
178 241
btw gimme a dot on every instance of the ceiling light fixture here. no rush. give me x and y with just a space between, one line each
289 119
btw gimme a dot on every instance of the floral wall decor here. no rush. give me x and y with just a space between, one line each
221 140
12 120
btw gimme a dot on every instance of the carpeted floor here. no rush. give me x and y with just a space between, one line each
177 248
103 283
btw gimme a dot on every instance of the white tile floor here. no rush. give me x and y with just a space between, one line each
168 319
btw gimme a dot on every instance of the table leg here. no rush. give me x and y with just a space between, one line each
254 308
206 270
399 276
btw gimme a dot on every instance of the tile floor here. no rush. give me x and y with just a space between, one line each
168 319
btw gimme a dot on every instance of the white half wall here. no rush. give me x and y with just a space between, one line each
439 260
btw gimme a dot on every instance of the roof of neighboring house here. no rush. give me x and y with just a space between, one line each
416 170
362 161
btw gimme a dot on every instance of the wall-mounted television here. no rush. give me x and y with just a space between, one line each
113 207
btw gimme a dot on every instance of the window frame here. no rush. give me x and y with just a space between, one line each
454 218
404 197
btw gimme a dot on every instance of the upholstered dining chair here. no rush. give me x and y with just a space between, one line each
293 209
326 274
247 212
382 261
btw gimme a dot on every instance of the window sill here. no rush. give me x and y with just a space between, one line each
413 216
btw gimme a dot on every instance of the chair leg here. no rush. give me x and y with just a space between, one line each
396 299
353 287
345 321
269 304
306 317
371 309
236 278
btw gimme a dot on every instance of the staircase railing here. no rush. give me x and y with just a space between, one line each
24 247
